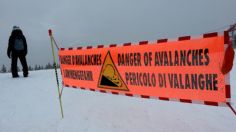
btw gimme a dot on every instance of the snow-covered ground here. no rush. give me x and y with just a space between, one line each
31 105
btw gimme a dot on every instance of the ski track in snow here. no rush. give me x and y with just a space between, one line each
31 105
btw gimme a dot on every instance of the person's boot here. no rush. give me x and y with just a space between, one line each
25 74
15 76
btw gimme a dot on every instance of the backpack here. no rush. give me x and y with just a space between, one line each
18 44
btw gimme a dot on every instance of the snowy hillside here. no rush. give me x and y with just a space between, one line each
31 105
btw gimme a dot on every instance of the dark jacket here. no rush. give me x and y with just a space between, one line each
10 50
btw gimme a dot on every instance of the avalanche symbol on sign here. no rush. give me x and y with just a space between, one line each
110 77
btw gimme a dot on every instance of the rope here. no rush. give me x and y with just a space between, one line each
218 29
55 43
231 108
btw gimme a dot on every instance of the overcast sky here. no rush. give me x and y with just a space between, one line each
91 22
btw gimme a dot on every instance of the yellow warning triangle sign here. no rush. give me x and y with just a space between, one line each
109 76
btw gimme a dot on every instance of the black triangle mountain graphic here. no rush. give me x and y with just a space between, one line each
107 82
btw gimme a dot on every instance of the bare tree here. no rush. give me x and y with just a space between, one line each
3 69
49 66
30 68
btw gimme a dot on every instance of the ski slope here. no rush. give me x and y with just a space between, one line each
31 105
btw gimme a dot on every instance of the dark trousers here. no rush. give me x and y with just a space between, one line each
14 65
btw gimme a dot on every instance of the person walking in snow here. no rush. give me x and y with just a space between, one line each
17 48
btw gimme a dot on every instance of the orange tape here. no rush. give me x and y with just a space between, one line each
188 69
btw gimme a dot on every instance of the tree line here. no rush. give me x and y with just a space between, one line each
36 67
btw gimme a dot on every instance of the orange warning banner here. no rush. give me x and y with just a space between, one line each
187 69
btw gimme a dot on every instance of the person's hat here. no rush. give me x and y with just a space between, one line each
16 28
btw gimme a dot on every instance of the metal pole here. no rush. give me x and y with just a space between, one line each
233 37
55 67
